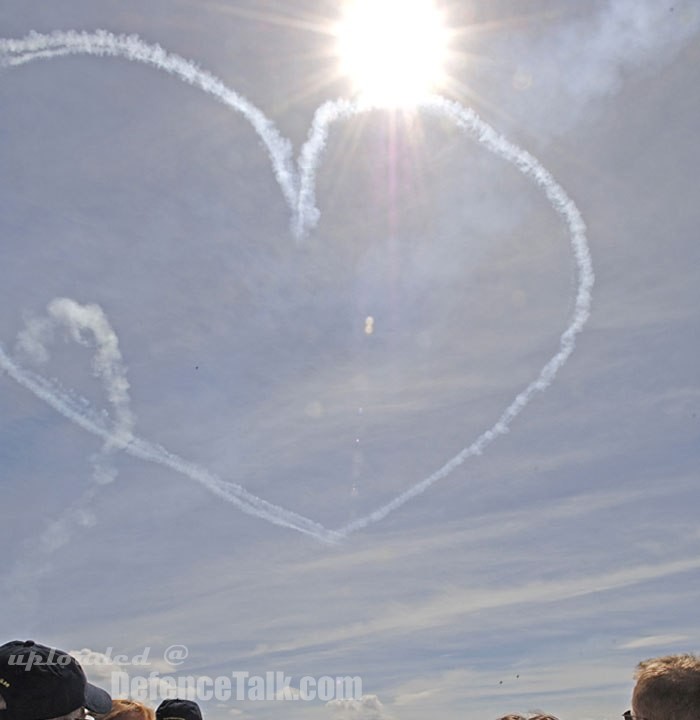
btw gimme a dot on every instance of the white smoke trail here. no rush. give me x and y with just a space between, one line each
530 167
307 214
94 423
107 361
107 366
299 192
38 46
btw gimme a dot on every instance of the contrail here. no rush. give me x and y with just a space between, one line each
468 121
94 423
298 188
38 46
108 367
307 214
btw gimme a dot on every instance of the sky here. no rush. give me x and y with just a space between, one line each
335 394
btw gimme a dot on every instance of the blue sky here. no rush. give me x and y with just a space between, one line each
138 211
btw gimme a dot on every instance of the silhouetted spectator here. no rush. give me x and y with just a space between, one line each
42 683
178 710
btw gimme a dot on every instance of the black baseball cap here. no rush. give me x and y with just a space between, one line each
40 683
178 710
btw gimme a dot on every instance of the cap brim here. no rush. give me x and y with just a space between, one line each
97 700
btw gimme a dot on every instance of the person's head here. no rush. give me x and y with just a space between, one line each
129 710
178 710
42 683
668 688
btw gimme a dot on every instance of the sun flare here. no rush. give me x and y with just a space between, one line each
392 50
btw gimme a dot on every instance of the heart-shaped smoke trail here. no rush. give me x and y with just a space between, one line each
298 188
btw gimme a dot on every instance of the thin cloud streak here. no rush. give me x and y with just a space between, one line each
446 609
654 641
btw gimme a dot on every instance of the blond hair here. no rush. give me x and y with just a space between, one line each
668 688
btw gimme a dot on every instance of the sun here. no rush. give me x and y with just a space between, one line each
392 50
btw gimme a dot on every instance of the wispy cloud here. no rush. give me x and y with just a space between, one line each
654 641
564 68
447 609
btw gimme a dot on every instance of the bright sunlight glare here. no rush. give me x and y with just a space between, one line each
392 50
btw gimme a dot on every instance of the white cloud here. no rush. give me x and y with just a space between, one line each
102 666
97 665
577 63
288 693
368 707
